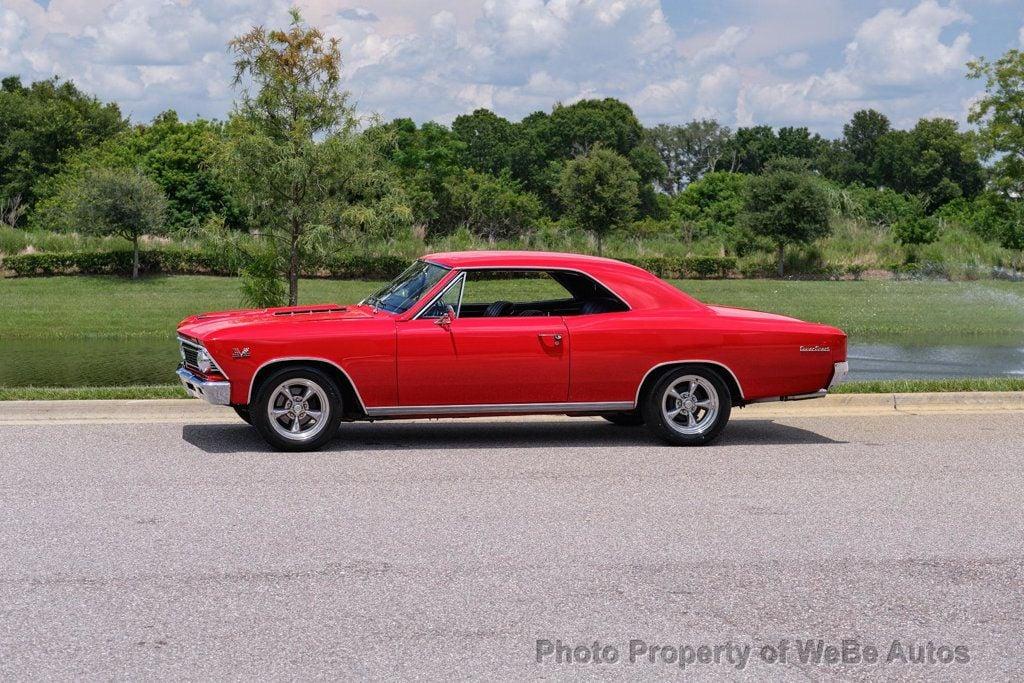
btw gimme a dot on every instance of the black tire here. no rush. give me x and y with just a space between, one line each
630 419
709 390
243 412
323 395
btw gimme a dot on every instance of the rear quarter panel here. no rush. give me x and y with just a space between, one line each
613 352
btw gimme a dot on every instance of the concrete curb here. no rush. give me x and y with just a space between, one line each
190 411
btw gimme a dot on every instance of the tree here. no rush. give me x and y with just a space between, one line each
487 140
121 203
178 156
688 151
749 150
293 151
933 160
599 191
711 205
40 125
787 205
860 140
426 159
1000 114
577 127
494 207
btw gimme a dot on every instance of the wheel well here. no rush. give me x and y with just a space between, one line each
723 373
351 403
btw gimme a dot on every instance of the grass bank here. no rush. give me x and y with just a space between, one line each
80 307
175 391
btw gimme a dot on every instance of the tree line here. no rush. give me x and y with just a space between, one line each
296 165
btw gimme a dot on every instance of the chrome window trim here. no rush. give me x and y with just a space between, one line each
199 345
562 269
313 358
498 408
636 400
448 269
460 279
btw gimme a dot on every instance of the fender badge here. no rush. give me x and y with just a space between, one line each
240 353
815 349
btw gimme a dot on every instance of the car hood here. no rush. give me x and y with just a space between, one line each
204 325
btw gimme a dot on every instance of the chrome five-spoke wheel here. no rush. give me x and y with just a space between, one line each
690 404
298 409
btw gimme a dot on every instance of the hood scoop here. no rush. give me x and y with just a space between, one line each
312 310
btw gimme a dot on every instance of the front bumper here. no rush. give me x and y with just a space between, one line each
217 393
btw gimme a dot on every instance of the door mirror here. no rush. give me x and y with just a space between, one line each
448 317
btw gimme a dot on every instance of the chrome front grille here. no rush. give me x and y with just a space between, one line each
189 354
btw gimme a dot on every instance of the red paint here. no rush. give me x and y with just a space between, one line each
394 360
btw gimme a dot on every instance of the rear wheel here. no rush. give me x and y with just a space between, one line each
297 409
630 419
689 406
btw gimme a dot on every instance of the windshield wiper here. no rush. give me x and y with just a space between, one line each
373 301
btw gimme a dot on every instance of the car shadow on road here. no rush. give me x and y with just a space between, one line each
222 438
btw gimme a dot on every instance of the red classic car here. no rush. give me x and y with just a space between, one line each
506 333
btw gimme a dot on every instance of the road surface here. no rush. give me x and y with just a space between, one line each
454 549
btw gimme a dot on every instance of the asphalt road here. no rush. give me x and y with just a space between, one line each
448 549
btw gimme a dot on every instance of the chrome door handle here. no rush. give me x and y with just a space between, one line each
556 338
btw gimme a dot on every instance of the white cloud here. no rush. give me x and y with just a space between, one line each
12 31
793 60
775 61
902 48
1020 37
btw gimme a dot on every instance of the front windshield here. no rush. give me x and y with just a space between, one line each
408 288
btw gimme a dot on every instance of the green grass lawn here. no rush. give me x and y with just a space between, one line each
932 312
78 335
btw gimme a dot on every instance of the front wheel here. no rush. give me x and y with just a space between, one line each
689 406
297 409
243 412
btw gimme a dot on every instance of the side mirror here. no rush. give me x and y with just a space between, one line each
448 317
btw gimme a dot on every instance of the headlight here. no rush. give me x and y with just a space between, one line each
203 361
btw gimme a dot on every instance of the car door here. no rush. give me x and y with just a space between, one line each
481 360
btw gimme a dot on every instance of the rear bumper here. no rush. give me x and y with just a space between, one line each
217 393
839 373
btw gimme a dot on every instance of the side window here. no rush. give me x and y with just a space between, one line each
452 296
507 293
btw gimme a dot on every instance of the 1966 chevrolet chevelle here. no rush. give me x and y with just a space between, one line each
503 333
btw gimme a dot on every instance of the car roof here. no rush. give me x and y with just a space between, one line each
520 259
639 288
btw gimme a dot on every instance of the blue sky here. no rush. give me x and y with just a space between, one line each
780 62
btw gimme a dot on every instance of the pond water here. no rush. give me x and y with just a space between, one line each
147 360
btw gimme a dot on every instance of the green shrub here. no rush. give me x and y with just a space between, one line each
916 230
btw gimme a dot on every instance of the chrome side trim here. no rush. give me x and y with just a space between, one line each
636 400
217 393
314 358
498 408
